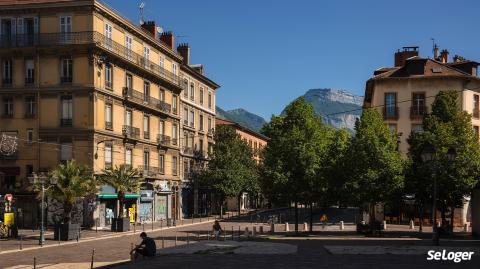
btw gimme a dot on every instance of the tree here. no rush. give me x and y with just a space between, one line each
231 169
375 165
446 127
292 157
123 179
73 182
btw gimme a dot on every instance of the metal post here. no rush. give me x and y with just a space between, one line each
161 224
434 212
208 235
232 233
238 232
59 235
176 238
188 239
134 227
21 242
34 262
96 225
93 254
42 238
163 241
143 226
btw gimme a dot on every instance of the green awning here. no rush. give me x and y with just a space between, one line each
115 196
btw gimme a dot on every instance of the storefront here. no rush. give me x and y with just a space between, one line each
107 204
163 200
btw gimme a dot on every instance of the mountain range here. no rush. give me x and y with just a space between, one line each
338 108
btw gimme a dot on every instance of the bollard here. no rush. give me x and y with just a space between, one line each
200 219
342 227
93 254
21 242
161 224
272 228
247 232
287 227
188 238
176 238
412 225
238 232
134 227
225 236
261 229
208 235
34 262
96 225
232 233
192 219
305 227
79 233
384 224
59 235
198 236
163 241
77 238
254 231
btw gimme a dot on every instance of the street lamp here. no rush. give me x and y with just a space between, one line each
36 179
428 155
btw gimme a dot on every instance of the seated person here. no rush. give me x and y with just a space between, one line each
147 247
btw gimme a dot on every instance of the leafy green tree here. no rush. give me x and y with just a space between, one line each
446 127
231 169
375 169
73 182
292 157
123 179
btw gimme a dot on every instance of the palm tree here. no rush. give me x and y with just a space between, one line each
123 179
73 182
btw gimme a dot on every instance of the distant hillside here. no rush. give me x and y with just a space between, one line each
329 102
242 117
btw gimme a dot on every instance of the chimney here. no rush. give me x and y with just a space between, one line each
184 50
168 39
435 52
402 56
444 56
151 28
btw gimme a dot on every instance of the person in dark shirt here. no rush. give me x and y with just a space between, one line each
147 248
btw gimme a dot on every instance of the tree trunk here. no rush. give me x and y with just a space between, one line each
311 217
444 218
420 218
67 212
452 218
239 207
372 213
296 217
121 200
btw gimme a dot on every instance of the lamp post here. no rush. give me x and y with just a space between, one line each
34 179
428 155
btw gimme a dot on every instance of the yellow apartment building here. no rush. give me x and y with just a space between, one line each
256 142
405 92
79 81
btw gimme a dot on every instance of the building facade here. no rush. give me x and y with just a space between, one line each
405 92
81 82
256 142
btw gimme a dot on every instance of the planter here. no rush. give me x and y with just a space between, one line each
120 224
65 232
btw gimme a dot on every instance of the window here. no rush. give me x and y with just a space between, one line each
418 104
108 76
162 95
108 36
174 104
201 96
209 124
146 160
200 122
185 90
174 69
128 117
475 128
128 45
476 105
185 116
185 167
161 163
7 71
65 24
174 133
174 165
192 118
108 155
162 64
417 128
209 100
108 116
67 112
191 140
30 106
210 148
29 71
146 56
8 106
66 152
29 136
128 157
161 127
390 105
192 91
200 145
146 92
128 81
146 127
66 70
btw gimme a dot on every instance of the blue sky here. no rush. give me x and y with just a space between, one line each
265 53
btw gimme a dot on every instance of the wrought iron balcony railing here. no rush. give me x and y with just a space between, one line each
390 113
66 122
140 98
163 140
108 125
417 112
187 150
29 80
88 37
150 171
130 132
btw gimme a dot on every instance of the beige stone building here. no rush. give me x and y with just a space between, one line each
79 81
405 92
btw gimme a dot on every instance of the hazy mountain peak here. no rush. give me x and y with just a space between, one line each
334 95
242 117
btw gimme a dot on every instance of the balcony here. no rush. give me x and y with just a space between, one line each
417 112
476 113
7 81
174 141
89 37
390 113
148 101
188 151
149 171
163 140
108 125
130 132
66 79
66 122
211 131
29 80
30 115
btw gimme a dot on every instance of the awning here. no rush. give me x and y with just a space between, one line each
115 196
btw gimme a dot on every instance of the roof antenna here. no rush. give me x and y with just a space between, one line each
140 7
